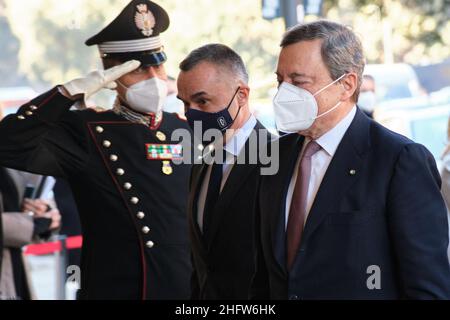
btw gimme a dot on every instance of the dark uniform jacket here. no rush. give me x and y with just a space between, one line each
133 215
377 228
224 261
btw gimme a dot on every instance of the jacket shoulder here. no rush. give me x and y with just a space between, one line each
388 139
174 120
96 114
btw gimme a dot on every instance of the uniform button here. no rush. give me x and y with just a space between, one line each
145 229
140 215
134 200
120 172
107 144
33 107
99 129
150 244
127 186
21 117
29 113
161 136
113 158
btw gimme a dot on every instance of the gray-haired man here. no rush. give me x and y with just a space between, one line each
355 210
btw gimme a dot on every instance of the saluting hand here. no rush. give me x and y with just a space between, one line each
83 88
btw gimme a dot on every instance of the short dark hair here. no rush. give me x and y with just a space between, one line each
217 54
341 50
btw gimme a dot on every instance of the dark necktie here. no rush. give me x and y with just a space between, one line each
215 181
297 212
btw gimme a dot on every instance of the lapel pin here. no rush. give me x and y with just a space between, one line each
352 172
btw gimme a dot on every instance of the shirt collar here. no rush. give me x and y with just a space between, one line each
331 139
238 140
151 120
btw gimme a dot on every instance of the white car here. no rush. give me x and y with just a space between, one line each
394 81
425 124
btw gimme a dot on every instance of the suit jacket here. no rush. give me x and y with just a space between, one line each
132 206
445 175
386 221
1 235
224 264
18 231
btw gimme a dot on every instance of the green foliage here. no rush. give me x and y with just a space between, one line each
417 30
47 40
53 34
8 57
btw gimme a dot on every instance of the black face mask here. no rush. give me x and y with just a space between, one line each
221 120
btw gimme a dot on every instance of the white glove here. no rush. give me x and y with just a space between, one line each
97 80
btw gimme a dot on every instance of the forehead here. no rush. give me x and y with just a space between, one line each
202 72
301 57
204 76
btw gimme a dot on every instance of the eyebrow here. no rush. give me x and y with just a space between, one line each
295 75
195 95
198 95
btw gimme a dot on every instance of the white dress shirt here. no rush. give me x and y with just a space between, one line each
319 161
232 150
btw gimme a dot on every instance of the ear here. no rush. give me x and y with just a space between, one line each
243 95
349 83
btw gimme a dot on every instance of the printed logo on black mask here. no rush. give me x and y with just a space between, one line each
222 122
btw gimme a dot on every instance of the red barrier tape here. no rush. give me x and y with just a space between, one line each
52 247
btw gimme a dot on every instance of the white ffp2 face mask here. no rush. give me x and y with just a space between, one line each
147 96
296 108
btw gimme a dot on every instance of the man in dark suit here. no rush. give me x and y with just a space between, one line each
213 86
24 221
355 210
1 233
1 225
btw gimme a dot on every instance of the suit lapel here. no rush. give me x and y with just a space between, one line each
338 178
198 173
237 178
19 181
